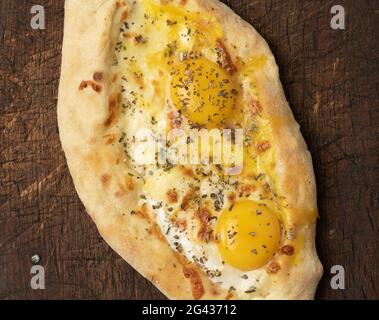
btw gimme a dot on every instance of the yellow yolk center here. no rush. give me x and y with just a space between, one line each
203 92
248 235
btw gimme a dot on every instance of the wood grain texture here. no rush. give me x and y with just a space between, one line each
331 79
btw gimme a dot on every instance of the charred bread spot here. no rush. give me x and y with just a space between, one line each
124 15
114 78
196 283
224 57
105 180
110 138
98 76
166 2
263 146
154 230
89 83
215 292
172 196
130 185
287 250
273 268
121 4
141 213
229 296
113 109
120 192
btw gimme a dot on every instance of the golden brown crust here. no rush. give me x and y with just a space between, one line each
86 116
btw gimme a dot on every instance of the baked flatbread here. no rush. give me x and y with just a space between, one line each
195 230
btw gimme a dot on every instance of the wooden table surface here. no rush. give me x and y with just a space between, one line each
331 79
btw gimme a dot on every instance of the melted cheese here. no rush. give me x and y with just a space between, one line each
160 48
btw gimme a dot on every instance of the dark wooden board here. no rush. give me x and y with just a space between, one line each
331 79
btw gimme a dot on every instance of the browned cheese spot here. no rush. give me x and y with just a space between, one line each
186 202
172 196
174 119
187 171
263 146
205 231
255 107
225 58
232 197
181 224
267 188
247 188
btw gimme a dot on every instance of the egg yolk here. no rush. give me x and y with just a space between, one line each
248 235
203 92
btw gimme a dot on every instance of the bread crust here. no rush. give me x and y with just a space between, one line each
85 110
